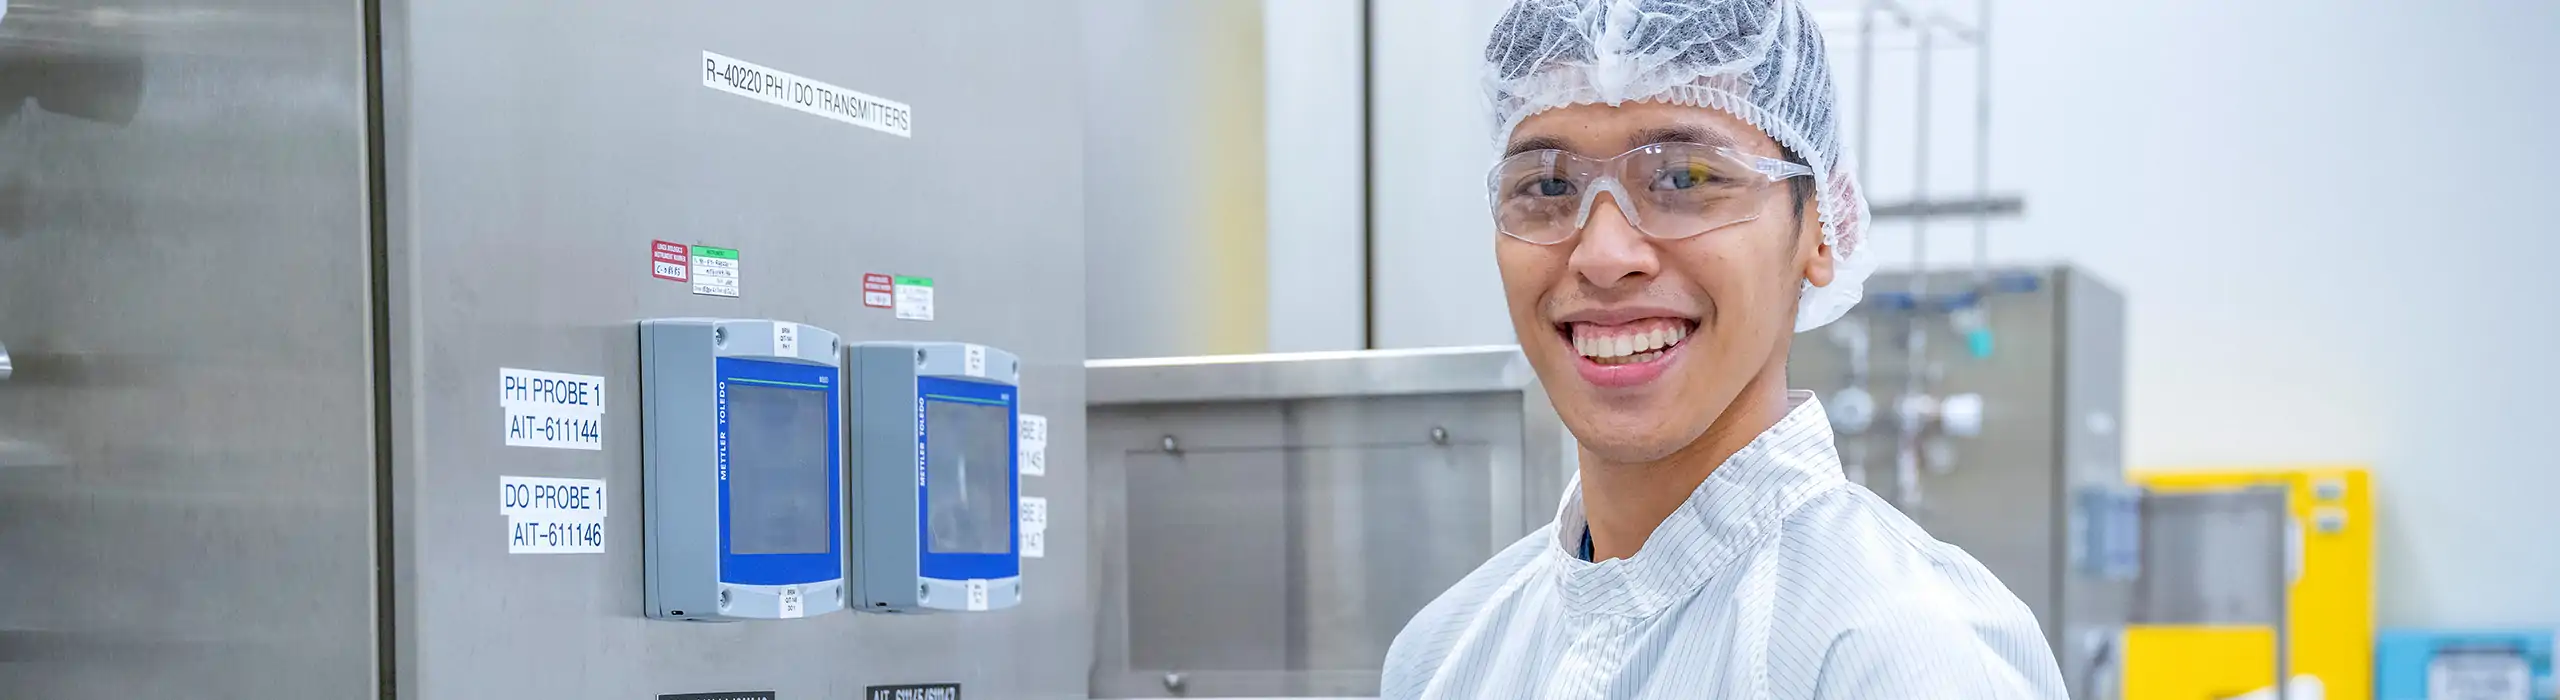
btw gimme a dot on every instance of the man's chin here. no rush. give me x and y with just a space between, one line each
1627 445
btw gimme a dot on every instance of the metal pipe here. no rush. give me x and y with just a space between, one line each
1907 453
1866 83
1982 139
1920 171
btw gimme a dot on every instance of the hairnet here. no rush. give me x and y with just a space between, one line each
1759 60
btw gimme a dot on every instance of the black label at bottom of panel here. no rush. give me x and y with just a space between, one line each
929 691
739 695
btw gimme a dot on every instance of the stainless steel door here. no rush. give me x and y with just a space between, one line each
187 508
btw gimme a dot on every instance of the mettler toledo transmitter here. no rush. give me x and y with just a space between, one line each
937 486
743 465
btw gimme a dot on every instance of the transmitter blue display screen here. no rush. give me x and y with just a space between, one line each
779 521
968 508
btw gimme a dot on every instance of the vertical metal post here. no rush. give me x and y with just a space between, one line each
2284 589
1920 166
1866 84
1907 453
1982 139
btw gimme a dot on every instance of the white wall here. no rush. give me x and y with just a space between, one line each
2324 214
1175 200
1224 176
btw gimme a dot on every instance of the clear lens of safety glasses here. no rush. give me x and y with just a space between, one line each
1668 190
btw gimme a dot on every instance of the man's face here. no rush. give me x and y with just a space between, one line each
1728 296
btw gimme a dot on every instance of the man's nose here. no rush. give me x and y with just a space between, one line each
1610 251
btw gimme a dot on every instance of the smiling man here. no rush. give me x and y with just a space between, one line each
1672 204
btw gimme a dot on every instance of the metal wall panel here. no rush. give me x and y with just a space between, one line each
1264 526
187 452
540 147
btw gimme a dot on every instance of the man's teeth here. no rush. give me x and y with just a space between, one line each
1627 345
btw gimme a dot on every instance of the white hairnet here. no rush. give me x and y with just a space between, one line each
1759 60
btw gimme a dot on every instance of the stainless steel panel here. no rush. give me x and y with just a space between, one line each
2090 428
2053 404
1265 526
2201 564
1286 376
539 147
187 448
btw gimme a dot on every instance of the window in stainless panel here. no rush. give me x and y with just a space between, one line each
1306 558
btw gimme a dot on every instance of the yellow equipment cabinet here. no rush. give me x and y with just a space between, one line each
2330 601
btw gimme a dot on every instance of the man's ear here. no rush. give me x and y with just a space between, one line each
1814 254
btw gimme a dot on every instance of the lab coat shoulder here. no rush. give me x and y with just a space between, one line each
1871 606
1427 641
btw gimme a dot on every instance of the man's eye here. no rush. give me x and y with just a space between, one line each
1681 177
1546 187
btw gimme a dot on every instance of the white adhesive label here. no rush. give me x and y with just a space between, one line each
781 89
793 604
915 301
974 362
553 516
551 409
534 427
715 271
1034 527
1035 514
545 535
538 495
786 339
1034 440
568 393
977 594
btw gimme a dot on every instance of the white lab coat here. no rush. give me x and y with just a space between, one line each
1777 580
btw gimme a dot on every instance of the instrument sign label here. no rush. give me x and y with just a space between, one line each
786 339
1034 444
1034 527
669 261
540 428
977 595
782 89
553 516
935 691
914 298
877 290
552 409
715 271
794 606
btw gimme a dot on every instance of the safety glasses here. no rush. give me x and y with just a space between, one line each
1680 190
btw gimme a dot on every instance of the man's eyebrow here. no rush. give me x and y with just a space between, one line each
1679 134
1534 143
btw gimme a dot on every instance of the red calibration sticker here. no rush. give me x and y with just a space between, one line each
667 261
876 289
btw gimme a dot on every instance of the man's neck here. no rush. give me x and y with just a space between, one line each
1624 502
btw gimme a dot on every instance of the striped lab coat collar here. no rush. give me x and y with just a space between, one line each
1743 501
